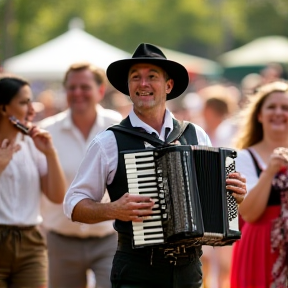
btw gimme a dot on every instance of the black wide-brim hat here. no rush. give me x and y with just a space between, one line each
117 72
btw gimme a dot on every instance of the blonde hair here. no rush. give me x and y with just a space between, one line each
98 73
251 130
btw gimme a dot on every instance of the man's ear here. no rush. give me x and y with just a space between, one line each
102 90
169 85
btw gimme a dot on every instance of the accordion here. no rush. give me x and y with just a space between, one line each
188 185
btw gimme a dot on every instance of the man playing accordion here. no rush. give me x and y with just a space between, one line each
149 79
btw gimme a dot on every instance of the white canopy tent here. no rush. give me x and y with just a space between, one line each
259 52
48 62
51 60
194 64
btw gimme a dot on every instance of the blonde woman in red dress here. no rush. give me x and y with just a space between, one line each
259 258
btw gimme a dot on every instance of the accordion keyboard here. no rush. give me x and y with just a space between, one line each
142 180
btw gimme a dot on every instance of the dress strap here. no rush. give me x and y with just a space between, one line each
256 164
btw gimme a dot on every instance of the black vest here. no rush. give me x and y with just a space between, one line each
130 138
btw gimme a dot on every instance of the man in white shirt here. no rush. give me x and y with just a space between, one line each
149 79
74 248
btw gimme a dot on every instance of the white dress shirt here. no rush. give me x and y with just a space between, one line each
20 190
99 165
71 147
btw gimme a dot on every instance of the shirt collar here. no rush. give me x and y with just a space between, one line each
68 123
168 123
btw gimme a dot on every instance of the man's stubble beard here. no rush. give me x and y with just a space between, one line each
151 104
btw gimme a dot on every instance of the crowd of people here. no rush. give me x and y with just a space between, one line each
60 163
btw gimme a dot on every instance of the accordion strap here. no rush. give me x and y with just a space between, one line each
178 129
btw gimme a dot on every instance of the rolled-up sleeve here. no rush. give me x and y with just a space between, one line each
96 170
202 137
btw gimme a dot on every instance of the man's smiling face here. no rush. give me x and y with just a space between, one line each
148 86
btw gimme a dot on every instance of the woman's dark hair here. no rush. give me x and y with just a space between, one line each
9 87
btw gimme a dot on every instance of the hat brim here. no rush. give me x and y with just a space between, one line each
117 74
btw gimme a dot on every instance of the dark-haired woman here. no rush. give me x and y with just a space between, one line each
260 257
28 166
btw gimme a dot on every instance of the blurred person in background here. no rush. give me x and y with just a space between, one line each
260 257
29 165
179 109
74 248
272 72
248 86
220 104
193 104
50 103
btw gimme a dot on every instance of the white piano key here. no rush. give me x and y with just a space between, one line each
136 176
135 190
142 179
151 195
143 242
139 166
152 230
137 160
156 211
140 172
139 185
139 225
145 237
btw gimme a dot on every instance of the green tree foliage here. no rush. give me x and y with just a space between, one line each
201 27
